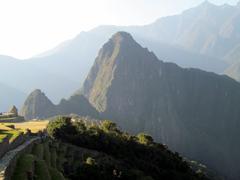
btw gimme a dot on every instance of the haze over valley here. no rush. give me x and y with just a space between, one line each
153 101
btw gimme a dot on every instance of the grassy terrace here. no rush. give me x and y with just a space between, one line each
42 163
7 118
6 131
34 126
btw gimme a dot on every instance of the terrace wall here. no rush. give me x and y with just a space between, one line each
11 119
6 145
8 161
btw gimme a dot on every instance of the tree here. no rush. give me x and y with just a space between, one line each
144 139
90 161
107 126
61 128
80 126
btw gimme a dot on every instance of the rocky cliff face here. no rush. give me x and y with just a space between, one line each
76 104
194 112
37 105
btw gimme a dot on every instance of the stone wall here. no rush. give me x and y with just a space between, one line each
12 120
8 161
6 145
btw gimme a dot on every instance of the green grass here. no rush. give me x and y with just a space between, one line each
46 154
24 164
61 152
38 151
7 118
11 134
2 136
55 174
70 155
41 171
42 163
14 134
53 157
34 126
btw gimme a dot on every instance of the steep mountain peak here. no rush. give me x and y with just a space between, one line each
121 36
207 4
121 60
37 92
37 105
119 44
202 8
114 44
120 57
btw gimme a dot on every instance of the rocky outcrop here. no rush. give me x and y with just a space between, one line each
194 112
37 105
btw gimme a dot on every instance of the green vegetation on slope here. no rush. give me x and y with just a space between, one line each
123 156
37 164
41 170
11 133
92 151
24 166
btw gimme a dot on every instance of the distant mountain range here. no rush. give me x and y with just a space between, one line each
192 111
26 77
10 96
205 37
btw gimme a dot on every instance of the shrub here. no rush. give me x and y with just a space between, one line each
107 125
61 128
11 126
90 161
145 139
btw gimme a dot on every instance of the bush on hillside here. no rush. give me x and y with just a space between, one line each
140 156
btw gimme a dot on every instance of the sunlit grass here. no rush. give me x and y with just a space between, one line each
34 126
25 164
12 134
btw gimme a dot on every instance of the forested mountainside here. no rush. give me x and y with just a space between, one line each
90 151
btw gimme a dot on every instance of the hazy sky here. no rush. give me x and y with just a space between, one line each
29 27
